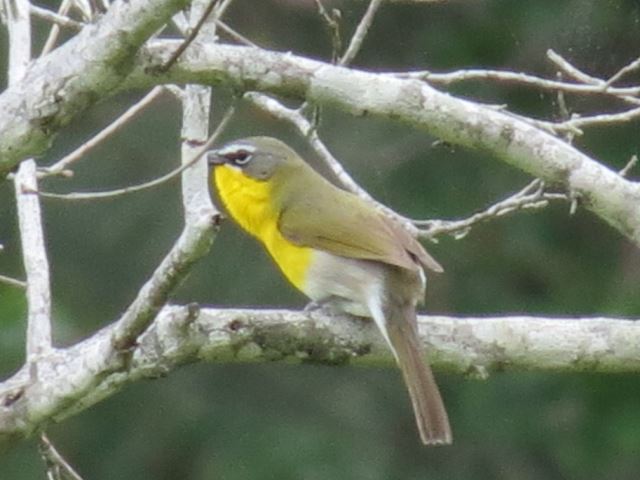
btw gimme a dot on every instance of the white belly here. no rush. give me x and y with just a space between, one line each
345 283
362 287
351 284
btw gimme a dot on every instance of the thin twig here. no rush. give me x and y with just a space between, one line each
574 125
57 467
577 122
622 72
574 199
332 21
568 135
299 121
190 38
64 163
14 282
587 83
565 114
235 35
571 70
598 83
354 44
533 196
222 8
361 32
297 117
152 183
88 9
630 164
515 77
563 108
56 18
64 8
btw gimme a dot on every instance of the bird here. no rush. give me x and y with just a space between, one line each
339 250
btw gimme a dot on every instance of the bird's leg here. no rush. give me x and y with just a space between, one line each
312 306
328 305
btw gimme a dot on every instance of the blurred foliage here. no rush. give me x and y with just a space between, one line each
240 422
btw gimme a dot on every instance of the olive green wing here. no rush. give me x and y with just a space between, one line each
414 247
347 226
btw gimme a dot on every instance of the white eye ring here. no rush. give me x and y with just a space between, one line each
237 154
242 160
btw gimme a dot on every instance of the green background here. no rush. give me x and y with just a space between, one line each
281 421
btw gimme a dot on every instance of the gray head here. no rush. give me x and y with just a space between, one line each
256 157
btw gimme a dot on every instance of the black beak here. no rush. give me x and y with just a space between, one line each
213 158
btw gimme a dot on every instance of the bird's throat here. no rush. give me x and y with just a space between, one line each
248 201
250 204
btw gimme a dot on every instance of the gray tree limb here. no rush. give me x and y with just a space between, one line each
182 335
74 76
36 263
512 139
609 195
34 253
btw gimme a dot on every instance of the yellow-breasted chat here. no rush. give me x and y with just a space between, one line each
337 249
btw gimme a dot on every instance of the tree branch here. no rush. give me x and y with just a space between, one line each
191 35
34 254
36 263
56 18
307 130
198 153
180 335
63 9
14 282
533 196
64 163
19 28
360 33
454 120
411 101
85 69
57 467
448 78
199 213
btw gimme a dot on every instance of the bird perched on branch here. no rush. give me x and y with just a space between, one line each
338 250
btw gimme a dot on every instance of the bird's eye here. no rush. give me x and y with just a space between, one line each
239 157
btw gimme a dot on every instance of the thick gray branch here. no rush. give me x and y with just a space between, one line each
411 101
28 205
180 335
512 139
36 264
194 241
84 70
66 376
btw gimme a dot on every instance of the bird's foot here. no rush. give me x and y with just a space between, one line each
326 306
312 306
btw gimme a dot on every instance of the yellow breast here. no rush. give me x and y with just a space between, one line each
248 201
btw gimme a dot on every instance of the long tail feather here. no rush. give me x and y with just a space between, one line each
400 331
